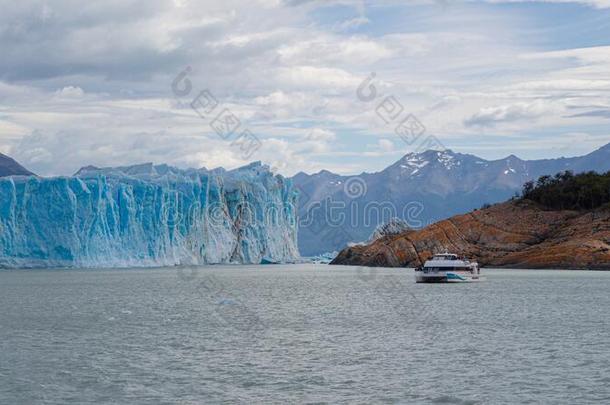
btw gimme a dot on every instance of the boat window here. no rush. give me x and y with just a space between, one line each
445 257
435 269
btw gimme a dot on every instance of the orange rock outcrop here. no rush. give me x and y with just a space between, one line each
515 234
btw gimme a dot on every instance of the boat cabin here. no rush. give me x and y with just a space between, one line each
445 256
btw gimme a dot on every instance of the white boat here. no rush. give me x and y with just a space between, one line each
447 268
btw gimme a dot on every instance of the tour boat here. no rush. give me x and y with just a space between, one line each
447 268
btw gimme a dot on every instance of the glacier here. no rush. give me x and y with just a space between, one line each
148 215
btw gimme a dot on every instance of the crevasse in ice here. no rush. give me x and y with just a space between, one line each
147 215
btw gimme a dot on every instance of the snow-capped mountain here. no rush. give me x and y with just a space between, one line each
420 188
147 215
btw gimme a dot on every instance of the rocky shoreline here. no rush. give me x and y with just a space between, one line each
514 234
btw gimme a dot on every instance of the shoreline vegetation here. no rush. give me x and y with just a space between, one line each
567 191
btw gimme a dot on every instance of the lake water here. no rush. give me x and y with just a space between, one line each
302 334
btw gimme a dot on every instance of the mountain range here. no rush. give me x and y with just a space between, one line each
420 188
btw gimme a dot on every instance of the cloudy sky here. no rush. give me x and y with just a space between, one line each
91 82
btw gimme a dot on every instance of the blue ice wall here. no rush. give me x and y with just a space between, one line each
147 215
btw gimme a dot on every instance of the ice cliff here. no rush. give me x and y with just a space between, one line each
147 215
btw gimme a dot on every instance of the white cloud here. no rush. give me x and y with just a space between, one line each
321 135
307 77
593 3
70 92
351 24
386 145
326 49
92 86
490 116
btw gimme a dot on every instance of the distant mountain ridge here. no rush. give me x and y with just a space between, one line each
10 167
428 186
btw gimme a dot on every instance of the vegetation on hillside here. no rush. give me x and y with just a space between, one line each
568 191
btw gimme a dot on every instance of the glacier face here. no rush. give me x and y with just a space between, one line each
148 215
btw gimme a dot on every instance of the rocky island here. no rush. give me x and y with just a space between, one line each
559 223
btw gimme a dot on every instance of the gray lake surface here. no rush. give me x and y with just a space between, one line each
302 334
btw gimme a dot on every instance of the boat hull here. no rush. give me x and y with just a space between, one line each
446 277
